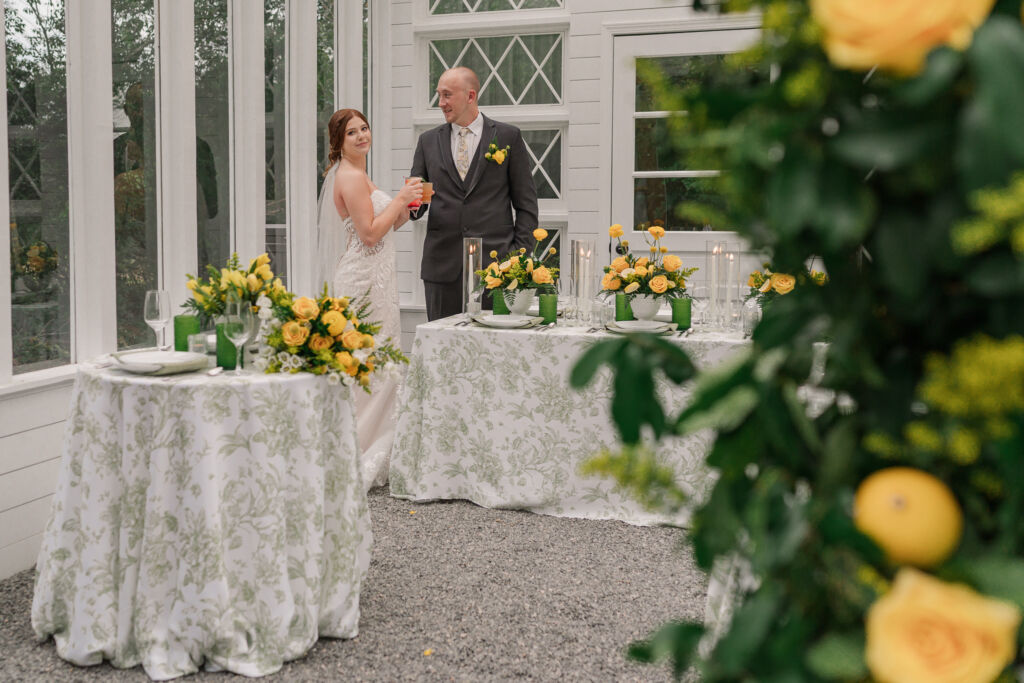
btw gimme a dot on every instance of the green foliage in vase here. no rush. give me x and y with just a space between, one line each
903 183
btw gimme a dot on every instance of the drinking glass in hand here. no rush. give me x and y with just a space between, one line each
157 312
239 324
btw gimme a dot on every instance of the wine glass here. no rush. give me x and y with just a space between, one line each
700 303
239 324
157 312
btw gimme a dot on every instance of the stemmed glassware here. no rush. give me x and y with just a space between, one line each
157 312
239 325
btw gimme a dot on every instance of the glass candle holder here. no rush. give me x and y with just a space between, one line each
548 308
184 325
681 313
472 261
622 309
498 300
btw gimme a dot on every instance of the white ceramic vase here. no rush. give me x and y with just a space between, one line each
519 300
644 306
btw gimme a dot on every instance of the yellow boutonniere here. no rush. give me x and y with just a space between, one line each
495 153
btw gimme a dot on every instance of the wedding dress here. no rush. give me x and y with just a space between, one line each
366 274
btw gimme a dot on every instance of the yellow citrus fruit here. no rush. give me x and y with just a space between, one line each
910 514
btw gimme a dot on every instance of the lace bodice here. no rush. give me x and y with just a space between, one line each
364 271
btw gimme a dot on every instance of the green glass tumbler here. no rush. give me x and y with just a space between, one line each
681 313
623 311
184 325
548 307
500 307
225 349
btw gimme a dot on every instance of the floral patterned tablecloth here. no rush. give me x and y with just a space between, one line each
198 520
488 415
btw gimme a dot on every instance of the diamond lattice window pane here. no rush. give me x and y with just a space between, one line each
473 6
545 148
512 69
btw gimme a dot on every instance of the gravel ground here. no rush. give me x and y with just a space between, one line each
495 594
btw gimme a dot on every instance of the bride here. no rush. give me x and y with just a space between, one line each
356 252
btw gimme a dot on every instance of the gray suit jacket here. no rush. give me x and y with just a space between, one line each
479 206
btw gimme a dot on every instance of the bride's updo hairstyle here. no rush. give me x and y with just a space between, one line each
336 132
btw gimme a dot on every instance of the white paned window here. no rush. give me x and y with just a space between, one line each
513 70
37 157
545 148
472 6
213 132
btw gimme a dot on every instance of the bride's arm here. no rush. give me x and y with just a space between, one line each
351 188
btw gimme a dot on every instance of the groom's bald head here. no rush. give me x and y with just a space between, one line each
457 91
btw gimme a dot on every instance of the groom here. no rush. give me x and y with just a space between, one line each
473 196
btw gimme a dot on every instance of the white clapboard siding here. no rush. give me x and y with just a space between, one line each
19 556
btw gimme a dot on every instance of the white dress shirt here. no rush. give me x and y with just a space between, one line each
476 130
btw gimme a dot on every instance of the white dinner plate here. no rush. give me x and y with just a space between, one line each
155 362
505 321
642 325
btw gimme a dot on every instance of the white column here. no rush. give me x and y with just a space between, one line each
176 145
91 178
300 86
248 133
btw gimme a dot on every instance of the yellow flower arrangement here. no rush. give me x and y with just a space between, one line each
927 630
324 336
766 284
521 271
659 275
209 296
497 154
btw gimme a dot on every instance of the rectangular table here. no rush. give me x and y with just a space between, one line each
488 415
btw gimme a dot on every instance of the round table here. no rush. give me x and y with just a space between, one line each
203 521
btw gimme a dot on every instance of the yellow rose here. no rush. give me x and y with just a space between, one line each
895 34
610 281
335 322
542 276
641 271
352 339
656 231
498 157
294 333
264 273
347 362
262 260
925 629
672 263
492 282
305 308
620 264
631 287
367 341
658 284
252 282
318 342
642 261
540 234
782 283
615 231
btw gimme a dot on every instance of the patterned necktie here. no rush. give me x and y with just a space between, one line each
462 154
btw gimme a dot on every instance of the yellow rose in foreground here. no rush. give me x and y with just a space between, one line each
252 282
262 260
641 271
318 342
294 333
335 322
658 284
631 287
782 283
895 34
540 234
935 632
672 263
498 157
610 282
542 276
619 264
352 339
642 261
492 282
615 231
656 231
305 308
264 273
